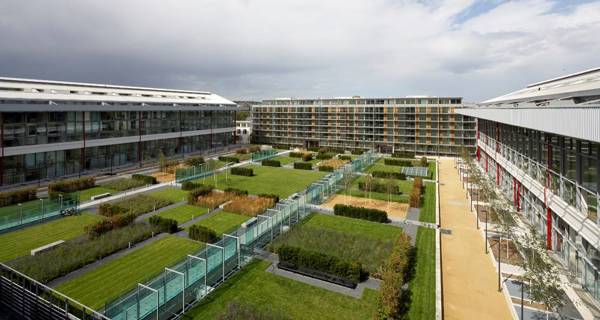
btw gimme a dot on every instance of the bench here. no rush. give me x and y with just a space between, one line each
46 247
100 196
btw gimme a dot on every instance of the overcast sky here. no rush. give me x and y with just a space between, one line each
255 49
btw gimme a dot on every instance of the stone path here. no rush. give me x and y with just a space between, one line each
357 293
469 279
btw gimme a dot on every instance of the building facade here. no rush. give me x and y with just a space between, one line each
541 145
420 125
53 129
243 130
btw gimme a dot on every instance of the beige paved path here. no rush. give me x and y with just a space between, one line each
470 287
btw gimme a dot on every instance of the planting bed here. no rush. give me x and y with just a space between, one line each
109 281
20 242
223 222
393 209
405 186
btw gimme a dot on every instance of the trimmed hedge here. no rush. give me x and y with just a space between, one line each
403 154
189 185
397 162
271 163
379 187
307 157
241 151
136 205
423 162
389 175
200 190
164 224
269 195
70 185
203 234
253 149
325 155
194 161
326 168
229 159
105 225
357 152
300 259
360 213
344 157
123 184
8 198
415 195
296 154
145 178
236 191
313 149
241 171
303 165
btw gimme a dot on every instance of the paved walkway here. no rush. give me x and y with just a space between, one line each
470 289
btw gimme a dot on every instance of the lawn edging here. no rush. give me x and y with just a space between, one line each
439 311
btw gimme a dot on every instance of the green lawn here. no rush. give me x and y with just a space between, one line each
14 210
20 242
223 221
170 193
255 286
428 208
280 181
286 160
118 276
404 185
422 285
183 213
380 166
85 195
368 229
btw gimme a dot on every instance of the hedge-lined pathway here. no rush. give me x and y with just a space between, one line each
470 287
98 263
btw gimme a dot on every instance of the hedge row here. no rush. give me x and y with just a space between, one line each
377 186
392 296
229 159
397 162
203 234
236 191
105 225
360 213
344 157
194 161
164 224
189 185
271 163
389 175
77 253
313 149
403 154
415 194
241 171
200 190
325 155
303 165
70 185
296 154
326 168
8 198
305 259
137 206
123 184
270 196
307 157
357 151
145 178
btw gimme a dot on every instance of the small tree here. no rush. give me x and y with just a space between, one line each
368 185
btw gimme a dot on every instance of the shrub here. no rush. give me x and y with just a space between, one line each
296 154
325 155
334 163
300 259
203 234
236 191
313 149
145 178
189 185
241 171
194 161
137 206
394 273
70 185
123 184
105 225
360 213
415 195
389 175
344 157
303 165
271 163
249 206
357 151
164 224
378 186
403 154
423 162
326 168
269 195
255 148
214 199
397 162
77 253
199 191
229 159
241 151
8 198
307 157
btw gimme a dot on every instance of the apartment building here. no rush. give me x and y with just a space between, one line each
53 129
423 125
541 144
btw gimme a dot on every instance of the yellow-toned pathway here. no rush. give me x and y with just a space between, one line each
470 287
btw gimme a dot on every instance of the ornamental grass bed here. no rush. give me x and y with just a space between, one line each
249 206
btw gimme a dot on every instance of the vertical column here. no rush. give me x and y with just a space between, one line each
548 182
1 149
83 135
139 149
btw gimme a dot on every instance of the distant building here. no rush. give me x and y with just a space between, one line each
54 129
421 125
541 145
243 131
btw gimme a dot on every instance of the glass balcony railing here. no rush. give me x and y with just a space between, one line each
576 195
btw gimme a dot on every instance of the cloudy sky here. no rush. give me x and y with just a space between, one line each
254 49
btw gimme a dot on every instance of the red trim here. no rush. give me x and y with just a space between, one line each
548 228
497 174
518 196
486 162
